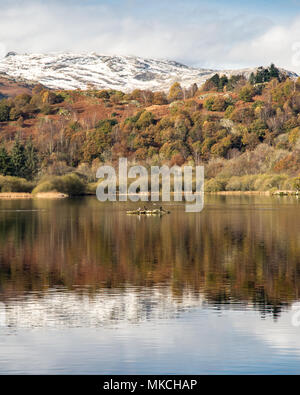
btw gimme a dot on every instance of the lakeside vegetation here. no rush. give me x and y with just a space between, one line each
245 132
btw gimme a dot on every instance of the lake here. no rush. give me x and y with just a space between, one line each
84 288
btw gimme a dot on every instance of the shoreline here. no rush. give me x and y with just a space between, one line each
27 195
59 195
263 193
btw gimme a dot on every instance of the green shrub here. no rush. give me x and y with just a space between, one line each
229 111
46 186
247 183
91 188
268 182
15 184
46 109
288 184
278 181
257 182
260 181
215 185
246 93
244 183
296 183
234 184
69 184
209 102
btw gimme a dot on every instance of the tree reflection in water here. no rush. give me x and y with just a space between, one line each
239 250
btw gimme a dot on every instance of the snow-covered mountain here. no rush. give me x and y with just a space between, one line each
83 70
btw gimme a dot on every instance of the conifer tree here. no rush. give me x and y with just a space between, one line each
222 82
252 79
273 71
18 159
4 162
216 80
31 160
4 111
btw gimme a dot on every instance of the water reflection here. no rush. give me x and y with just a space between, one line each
58 308
86 289
238 249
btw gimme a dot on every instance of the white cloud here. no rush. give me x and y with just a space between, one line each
3 50
279 44
199 37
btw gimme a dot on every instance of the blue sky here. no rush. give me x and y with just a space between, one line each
214 33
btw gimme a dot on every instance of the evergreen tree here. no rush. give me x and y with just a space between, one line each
4 162
31 160
265 75
18 159
259 76
252 79
222 82
274 72
215 80
4 111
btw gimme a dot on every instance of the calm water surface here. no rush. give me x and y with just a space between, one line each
86 289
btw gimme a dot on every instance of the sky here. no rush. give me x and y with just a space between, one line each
201 33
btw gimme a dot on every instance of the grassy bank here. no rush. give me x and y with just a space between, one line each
15 184
70 184
47 187
254 183
73 185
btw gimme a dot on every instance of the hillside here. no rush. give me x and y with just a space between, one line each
246 135
86 70
9 87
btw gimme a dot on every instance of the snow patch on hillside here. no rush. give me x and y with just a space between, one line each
85 70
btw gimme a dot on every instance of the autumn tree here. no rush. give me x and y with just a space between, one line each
160 98
175 92
246 93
